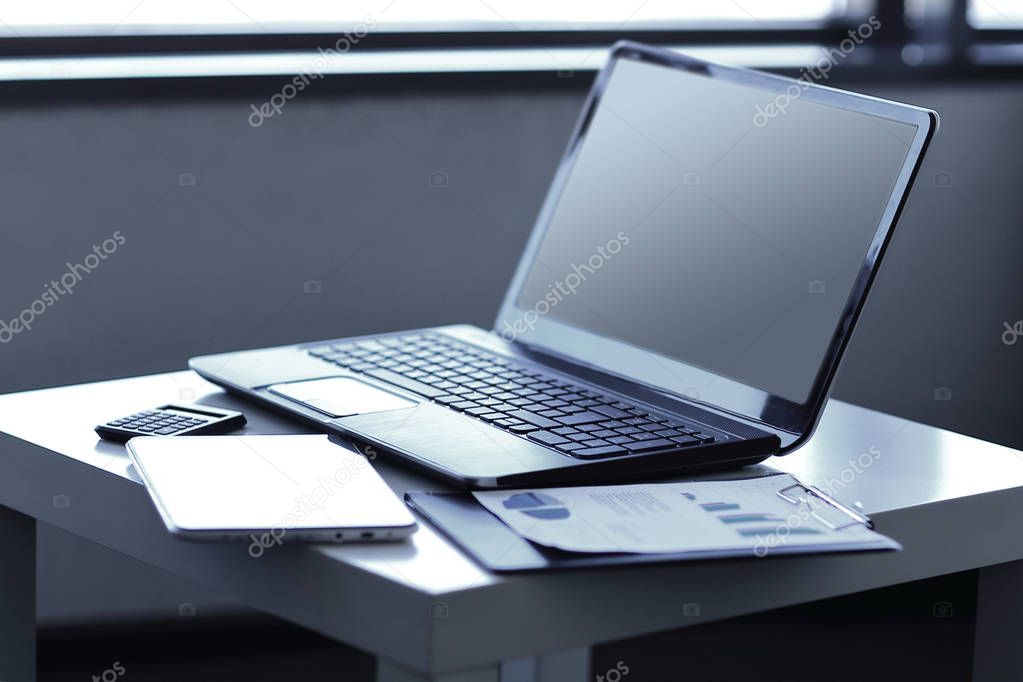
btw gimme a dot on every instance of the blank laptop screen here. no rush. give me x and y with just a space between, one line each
704 224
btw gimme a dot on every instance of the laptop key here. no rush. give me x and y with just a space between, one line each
611 412
409 384
522 428
534 419
597 453
654 444
547 438
581 418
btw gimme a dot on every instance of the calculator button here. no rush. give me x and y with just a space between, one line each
147 429
167 430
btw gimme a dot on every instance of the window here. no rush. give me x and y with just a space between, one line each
132 17
996 14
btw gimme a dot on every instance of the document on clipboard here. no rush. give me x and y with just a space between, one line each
759 516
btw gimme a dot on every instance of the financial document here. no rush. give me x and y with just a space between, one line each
758 516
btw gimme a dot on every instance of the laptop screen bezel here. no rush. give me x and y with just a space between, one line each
793 421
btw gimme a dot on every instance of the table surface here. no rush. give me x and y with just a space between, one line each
953 502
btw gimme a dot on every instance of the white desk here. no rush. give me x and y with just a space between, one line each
954 502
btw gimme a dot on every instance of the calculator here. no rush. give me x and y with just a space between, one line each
172 420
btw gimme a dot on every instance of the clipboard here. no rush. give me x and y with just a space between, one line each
496 547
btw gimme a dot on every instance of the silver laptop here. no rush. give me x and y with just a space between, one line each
684 300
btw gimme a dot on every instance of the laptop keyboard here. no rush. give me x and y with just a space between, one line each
515 396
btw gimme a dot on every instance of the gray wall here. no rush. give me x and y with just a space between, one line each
336 189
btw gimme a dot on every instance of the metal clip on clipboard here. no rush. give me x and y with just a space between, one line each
798 493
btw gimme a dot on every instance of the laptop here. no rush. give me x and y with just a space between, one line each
683 302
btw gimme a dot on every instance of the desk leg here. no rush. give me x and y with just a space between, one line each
17 596
563 666
997 654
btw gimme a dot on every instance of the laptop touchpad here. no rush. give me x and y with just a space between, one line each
341 396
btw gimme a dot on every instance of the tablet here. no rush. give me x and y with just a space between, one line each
268 489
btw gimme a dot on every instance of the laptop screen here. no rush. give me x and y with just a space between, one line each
715 223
